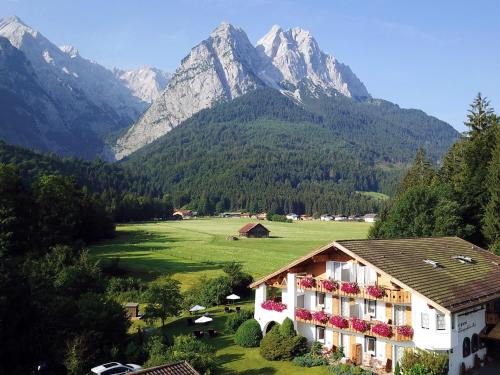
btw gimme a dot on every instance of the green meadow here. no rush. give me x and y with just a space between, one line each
190 248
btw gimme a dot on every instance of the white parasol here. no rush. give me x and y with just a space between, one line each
197 308
203 319
233 297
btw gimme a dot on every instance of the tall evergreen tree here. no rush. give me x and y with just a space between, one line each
421 173
491 227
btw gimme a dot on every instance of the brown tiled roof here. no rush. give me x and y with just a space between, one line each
177 368
248 227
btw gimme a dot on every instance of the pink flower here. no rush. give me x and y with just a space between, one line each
320 316
273 306
307 282
329 285
359 325
303 314
382 329
375 291
339 322
350 288
405 331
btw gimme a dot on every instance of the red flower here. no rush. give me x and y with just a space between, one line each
405 331
307 282
375 291
303 314
273 306
320 316
350 288
382 329
328 285
339 322
359 325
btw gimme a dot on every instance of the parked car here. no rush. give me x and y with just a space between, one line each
114 368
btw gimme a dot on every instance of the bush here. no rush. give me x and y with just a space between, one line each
248 334
235 320
419 369
282 343
309 360
279 218
346 369
435 363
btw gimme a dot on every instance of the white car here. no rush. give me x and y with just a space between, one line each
114 368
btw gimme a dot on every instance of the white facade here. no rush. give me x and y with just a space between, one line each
292 217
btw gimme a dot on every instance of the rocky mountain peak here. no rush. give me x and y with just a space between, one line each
71 51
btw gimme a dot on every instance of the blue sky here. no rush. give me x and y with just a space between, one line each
431 55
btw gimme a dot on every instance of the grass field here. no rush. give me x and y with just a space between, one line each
190 248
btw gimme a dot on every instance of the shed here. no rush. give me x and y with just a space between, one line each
254 230
132 309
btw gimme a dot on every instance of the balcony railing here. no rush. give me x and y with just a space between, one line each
370 327
387 295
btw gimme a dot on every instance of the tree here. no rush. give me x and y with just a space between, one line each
164 299
491 221
421 173
282 342
480 117
238 279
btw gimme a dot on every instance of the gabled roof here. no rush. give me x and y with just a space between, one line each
177 368
248 227
452 286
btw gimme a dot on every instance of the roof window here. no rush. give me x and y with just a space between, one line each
433 263
463 259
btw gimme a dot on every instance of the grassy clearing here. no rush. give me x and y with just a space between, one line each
191 248
375 195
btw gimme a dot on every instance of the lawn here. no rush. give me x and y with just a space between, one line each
191 248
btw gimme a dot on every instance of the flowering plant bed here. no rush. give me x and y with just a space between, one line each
338 321
320 316
328 285
375 291
273 305
303 314
382 329
405 331
350 288
307 282
359 325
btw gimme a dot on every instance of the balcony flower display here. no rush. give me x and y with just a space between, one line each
350 288
382 329
320 316
307 282
329 286
273 306
405 331
303 314
359 325
375 291
338 321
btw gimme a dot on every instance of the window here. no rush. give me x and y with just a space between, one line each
320 298
371 307
440 322
424 317
300 301
370 345
475 343
466 347
345 308
320 333
399 315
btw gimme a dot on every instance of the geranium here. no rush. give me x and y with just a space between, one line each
307 282
273 305
303 314
328 285
339 322
359 325
350 288
320 316
375 291
405 331
382 329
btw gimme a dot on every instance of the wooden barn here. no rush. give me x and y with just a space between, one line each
254 230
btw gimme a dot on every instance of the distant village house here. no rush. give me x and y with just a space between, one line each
185 214
370 218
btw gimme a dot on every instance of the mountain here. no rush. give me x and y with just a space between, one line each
226 66
145 83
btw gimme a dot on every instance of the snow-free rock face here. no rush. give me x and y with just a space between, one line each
145 83
227 65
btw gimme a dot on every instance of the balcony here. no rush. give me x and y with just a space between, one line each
356 326
387 295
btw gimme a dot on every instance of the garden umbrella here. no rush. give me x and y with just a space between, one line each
233 297
203 319
197 308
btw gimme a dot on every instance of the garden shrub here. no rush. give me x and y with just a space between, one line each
435 363
309 360
346 369
235 320
282 343
248 334
419 369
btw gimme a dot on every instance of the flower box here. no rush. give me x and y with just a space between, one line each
303 314
350 288
307 282
382 329
329 286
375 291
338 321
320 316
405 331
273 306
359 325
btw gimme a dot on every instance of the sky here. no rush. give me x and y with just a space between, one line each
430 55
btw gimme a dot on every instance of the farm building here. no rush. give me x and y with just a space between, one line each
262 216
370 218
292 216
234 215
254 230
185 214
132 309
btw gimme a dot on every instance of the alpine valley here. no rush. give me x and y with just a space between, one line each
279 125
